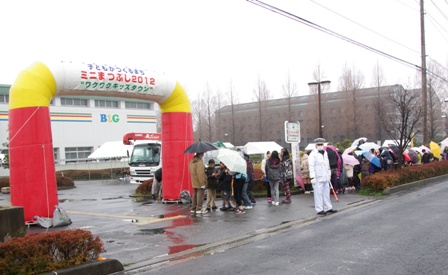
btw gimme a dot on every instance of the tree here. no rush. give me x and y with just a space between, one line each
350 82
219 103
197 107
377 81
437 92
289 91
262 94
399 112
233 100
209 103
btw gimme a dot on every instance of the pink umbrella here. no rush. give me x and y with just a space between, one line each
350 160
349 149
299 181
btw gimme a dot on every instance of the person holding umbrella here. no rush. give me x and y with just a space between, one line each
320 175
199 181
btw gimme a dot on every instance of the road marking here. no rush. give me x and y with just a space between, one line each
140 220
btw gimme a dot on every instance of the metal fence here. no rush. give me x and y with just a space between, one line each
86 165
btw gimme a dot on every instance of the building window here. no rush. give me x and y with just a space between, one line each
138 105
4 98
106 103
73 102
75 153
56 155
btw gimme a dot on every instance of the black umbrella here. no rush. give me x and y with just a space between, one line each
200 147
394 149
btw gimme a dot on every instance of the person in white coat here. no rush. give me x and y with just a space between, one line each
320 175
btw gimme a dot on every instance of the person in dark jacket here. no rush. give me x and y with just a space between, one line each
248 197
287 174
387 162
426 158
156 188
274 171
212 185
224 185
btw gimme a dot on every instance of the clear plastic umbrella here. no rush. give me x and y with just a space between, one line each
233 160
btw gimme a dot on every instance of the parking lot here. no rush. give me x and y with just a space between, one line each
139 232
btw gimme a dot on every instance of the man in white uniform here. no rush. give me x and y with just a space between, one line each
320 175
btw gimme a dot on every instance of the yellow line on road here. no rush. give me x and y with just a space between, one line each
144 220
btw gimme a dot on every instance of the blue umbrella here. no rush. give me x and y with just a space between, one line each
372 158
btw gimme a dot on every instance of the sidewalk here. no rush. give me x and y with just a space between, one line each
142 233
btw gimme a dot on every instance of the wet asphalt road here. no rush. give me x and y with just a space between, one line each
140 232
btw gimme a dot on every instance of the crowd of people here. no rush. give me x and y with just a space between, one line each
236 188
321 170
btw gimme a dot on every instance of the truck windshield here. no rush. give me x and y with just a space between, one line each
146 154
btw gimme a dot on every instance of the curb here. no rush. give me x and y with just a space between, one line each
407 186
107 266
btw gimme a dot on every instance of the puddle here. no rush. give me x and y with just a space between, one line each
64 200
105 199
150 232
179 248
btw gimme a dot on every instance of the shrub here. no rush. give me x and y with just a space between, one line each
34 254
64 182
60 182
380 181
144 188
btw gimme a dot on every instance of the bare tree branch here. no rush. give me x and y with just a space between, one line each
399 113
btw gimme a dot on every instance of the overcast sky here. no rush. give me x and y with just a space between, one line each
218 42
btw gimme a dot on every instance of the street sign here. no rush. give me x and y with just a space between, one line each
292 132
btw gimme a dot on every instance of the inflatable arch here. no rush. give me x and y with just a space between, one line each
32 169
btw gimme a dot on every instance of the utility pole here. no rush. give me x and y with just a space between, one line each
424 92
319 83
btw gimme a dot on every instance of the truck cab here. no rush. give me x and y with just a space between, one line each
145 157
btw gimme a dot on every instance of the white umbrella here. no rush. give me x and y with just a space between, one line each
233 160
369 145
417 150
356 142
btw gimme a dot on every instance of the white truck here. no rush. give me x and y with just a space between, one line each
146 155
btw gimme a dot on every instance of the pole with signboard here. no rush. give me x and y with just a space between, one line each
292 136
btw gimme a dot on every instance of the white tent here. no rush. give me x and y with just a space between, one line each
261 147
228 145
311 146
111 149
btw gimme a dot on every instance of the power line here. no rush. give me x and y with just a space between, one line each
377 33
325 30
435 21
404 4
441 12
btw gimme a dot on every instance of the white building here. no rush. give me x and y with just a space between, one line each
80 125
